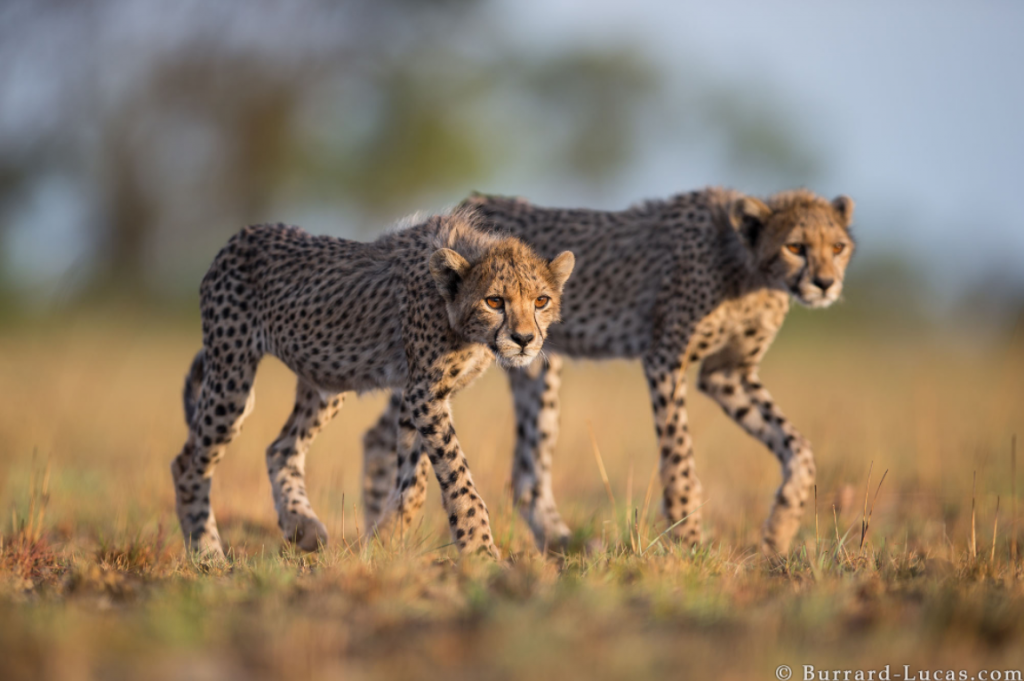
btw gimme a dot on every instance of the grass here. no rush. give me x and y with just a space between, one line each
94 582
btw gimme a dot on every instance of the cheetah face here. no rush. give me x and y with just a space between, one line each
802 247
506 301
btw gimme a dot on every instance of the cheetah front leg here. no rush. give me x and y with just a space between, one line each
424 415
735 386
535 390
681 500
286 465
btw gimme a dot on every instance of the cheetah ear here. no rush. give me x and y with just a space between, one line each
843 206
748 216
448 269
562 266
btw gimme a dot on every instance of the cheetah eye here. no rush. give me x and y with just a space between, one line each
838 248
495 302
797 249
542 302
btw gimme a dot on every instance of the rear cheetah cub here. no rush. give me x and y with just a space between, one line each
702 278
423 310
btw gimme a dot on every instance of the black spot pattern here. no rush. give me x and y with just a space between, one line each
700 278
348 316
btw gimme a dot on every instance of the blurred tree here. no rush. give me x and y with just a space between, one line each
184 121
753 133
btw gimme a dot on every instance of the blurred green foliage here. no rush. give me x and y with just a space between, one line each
176 124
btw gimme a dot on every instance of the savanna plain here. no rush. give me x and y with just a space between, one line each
921 568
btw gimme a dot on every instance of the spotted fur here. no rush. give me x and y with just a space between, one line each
407 312
701 278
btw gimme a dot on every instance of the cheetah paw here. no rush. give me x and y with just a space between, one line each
306 532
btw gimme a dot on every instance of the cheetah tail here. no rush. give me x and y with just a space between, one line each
194 381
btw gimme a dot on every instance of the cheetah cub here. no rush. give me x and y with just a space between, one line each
422 310
703 278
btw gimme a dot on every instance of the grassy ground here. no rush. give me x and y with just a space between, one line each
94 582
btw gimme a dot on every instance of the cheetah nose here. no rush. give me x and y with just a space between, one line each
523 340
823 284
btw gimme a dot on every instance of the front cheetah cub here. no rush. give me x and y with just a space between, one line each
423 310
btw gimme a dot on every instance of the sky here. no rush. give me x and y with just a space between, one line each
917 107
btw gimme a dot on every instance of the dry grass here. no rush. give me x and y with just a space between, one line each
94 584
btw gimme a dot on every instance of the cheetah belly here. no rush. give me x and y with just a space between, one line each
356 364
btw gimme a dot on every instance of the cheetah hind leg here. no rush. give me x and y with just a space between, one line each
409 481
217 398
380 462
286 465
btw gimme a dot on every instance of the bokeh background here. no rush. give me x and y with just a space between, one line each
136 136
